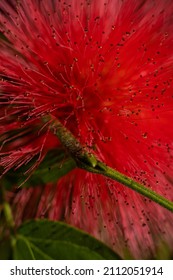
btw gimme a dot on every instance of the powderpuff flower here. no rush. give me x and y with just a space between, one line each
104 69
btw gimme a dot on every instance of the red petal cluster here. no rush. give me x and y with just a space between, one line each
105 70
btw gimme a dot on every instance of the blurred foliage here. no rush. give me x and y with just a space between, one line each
55 165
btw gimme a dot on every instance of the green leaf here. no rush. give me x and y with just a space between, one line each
54 166
22 249
43 239
163 251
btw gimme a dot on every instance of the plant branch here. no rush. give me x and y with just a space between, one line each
88 161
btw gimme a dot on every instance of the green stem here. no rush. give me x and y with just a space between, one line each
130 183
89 162
6 210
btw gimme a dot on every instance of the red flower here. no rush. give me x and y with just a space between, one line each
104 69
